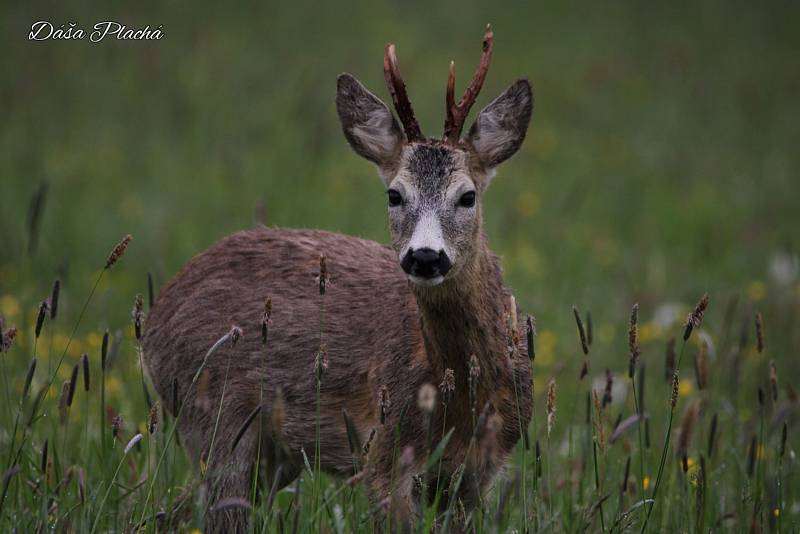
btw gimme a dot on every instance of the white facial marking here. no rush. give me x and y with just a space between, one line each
426 282
427 234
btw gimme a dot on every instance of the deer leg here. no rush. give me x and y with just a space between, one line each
229 483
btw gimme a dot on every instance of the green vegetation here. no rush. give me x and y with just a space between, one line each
661 164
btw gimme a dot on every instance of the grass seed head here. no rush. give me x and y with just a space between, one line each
73 384
530 333
321 362
584 369
609 386
550 405
118 251
323 274
137 314
624 487
152 420
54 299
235 335
773 380
512 326
116 426
448 386
151 297
633 340
104 351
86 373
7 339
581 330
132 443
43 463
751 456
597 421
29 378
368 443
759 332
674 397
44 308
695 319
784 433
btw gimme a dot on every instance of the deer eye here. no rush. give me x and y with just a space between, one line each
395 199
467 200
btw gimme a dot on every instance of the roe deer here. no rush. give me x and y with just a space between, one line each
429 309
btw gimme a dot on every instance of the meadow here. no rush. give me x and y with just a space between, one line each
661 165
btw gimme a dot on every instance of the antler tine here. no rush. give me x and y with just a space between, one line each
397 88
457 113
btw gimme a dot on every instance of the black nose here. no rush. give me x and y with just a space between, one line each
426 263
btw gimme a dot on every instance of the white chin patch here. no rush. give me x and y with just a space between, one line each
426 282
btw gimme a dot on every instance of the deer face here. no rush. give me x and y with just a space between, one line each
434 186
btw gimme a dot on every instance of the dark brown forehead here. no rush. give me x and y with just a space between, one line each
431 165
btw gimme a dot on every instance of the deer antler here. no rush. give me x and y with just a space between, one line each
397 88
457 113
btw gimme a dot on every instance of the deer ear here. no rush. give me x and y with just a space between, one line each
368 125
500 128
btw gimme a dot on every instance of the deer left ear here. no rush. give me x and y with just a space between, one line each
500 128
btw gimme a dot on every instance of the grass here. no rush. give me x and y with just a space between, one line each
660 164
62 472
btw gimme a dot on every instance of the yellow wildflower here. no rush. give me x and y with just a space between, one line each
646 483
649 331
693 472
94 340
685 388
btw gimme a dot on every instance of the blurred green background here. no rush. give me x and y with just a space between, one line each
661 161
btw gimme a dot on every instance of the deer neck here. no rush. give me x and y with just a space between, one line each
465 316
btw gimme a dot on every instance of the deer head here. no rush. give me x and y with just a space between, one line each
434 185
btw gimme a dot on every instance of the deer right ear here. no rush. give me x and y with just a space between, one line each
368 125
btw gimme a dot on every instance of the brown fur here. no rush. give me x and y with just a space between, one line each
378 332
